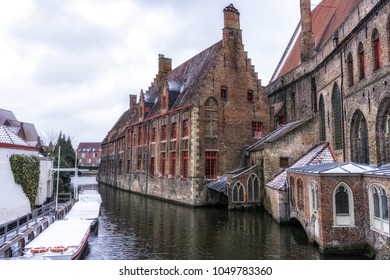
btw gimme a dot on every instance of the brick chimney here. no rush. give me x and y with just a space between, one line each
232 35
307 36
164 67
133 100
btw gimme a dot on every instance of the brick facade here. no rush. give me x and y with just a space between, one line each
191 126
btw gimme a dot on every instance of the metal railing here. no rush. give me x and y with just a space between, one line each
14 227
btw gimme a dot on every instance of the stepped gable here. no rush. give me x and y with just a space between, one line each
326 18
186 79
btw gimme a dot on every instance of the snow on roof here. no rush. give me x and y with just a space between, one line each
8 137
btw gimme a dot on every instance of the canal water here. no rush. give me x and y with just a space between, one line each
134 227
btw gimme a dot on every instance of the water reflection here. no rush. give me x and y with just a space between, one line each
136 227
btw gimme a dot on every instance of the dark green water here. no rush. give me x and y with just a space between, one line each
133 227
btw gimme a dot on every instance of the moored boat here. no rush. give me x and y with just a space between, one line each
62 240
87 208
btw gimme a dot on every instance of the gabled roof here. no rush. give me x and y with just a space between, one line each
326 18
6 115
185 79
320 153
8 137
276 134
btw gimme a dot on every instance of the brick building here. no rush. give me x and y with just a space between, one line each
342 206
333 81
336 71
191 126
89 154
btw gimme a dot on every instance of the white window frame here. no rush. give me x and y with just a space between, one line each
378 224
344 220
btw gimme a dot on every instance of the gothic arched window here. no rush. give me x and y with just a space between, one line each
322 119
337 118
359 138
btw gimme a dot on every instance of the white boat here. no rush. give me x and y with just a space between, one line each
86 208
62 240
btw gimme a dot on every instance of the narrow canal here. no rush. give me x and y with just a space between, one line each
135 227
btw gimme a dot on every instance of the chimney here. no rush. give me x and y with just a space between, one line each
307 36
231 17
164 67
133 100
232 35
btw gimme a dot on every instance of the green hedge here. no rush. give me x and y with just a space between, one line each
26 173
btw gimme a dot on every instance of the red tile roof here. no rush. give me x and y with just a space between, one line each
326 18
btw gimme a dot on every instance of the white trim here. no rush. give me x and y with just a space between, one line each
344 220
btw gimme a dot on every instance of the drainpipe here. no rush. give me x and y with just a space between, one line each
342 100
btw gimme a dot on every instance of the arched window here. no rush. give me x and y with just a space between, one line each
359 138
322 119
253 188
362 62
350 69
383 131
337 118
300 194
313 197
238 193
376 50
292 191
379 209
343 210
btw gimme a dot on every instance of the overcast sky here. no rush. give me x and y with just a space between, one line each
70 65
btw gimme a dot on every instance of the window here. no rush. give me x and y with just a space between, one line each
211 117
173 165
337 118
163 162
249 96
154 134
257 129
379 209
376 50
362 62
164 132
383 131
359 138
350 70
185 128
224 93
184 165
152 166
253 188
238 193
292 191
283 162
313 197
300 195
322 119
343 209
211 165
173 131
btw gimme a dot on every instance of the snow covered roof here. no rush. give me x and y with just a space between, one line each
8 137
319 154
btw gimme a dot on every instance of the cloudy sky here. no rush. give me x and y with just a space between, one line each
70 65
